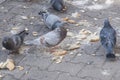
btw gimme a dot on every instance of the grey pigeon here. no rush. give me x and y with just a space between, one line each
58 5
50 20
108 39
14 42
50 39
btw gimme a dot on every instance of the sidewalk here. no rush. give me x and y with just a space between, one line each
85 63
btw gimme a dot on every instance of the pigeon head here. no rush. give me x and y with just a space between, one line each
44 14
107 23
8 43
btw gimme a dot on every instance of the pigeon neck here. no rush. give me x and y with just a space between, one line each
56 24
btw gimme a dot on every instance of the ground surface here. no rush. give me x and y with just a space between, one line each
86 63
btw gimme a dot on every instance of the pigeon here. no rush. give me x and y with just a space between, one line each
50 39
58 5
108 39
50 20
14 42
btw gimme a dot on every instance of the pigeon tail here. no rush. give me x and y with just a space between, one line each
110 56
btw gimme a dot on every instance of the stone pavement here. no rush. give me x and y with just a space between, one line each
86 63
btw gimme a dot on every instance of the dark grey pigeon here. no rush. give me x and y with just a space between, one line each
50 39
58 5
50 20
108 39
14 42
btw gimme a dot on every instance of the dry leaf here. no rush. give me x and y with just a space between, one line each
94 39
20 68
3 65
74 46
15 28
65 19
10 64
59 52
85 32
57 59
71 21
81 37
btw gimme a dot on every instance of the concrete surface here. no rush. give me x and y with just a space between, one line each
79 64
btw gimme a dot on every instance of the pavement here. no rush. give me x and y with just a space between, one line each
88 62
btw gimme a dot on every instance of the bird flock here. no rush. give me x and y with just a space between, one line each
58 33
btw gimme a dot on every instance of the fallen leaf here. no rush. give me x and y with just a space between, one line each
15 28
65 19
59 52
3 65
81 37
10 64
94 39
20 68
74 46
71 21
57 59
85 32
